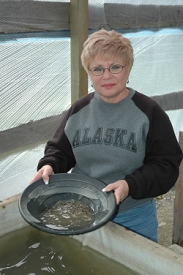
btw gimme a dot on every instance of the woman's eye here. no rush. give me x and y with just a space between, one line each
97 69
115 67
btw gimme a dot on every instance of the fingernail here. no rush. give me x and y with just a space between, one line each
46 181
103 190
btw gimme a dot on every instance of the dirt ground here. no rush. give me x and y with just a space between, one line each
165 208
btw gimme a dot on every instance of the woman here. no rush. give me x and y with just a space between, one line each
116 135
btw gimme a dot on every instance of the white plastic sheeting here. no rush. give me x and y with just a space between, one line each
17 169
35 72
158 66
35 77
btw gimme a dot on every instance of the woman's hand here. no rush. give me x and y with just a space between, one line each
43 173
120 189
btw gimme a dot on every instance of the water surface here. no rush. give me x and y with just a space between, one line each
29 251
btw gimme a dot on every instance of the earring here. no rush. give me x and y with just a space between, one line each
127 81
92 85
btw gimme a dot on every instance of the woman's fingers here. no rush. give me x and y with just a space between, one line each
43 173
120 189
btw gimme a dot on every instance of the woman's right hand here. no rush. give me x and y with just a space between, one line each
43 173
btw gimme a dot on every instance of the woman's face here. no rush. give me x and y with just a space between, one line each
110 87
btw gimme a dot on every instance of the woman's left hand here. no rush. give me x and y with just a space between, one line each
120 189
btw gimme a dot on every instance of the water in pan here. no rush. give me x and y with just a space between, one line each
68 214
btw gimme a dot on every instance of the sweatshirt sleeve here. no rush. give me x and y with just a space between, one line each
162 159
58 151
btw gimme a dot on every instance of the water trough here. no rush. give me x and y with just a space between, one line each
115 242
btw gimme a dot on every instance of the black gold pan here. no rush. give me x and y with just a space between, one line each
70 204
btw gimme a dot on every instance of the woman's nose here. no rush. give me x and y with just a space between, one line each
107 73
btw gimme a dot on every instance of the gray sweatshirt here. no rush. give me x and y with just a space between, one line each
132 140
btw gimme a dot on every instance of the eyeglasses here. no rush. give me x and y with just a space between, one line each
114 69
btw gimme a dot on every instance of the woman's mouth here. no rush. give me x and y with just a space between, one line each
108 85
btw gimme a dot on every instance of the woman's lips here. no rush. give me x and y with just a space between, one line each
109 85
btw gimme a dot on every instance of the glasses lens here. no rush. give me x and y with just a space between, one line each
115 69
97 70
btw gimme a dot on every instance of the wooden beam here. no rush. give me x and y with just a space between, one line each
178 204
170 101
33 16
40 131
120 15
79 33
29 134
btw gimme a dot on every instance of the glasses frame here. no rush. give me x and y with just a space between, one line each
109 69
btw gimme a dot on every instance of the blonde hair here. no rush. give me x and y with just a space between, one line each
107 44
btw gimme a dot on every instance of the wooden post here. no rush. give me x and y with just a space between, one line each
79 33
178 204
